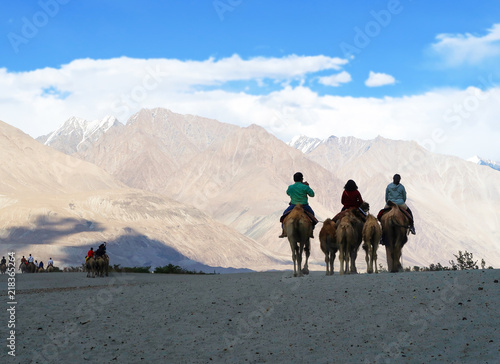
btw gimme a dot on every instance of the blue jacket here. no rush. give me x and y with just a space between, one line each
395 193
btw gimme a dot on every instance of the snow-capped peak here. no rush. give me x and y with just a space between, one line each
75 131
484 162
304 143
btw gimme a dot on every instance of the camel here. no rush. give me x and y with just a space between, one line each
357 219
328 244
31 267
50 268
395 225
23 267
40 270
371 237
3 268
347 238
102 265
298 227
90 266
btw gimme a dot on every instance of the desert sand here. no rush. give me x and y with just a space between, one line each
266 317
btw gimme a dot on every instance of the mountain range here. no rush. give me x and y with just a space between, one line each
55 205
238 176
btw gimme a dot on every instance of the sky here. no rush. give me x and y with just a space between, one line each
419 70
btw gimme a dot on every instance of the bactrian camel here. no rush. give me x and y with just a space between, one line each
328 244
395 225
371 238
298 227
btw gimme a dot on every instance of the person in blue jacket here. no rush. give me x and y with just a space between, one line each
396 193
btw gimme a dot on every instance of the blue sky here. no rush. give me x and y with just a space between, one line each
408 69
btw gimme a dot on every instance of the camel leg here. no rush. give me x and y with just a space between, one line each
307 249
397 260
374 259
327 261
354 254
299 261
294 258
341 260
388 253
367 258
347 256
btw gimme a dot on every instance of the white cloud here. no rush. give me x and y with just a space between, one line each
459 122
379 79
336 80
38 101
459 49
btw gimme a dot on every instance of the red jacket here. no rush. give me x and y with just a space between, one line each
90 254
351 199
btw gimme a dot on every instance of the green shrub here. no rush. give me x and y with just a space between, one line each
174 269
117 268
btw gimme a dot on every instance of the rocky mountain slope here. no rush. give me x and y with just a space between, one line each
239 177
55 205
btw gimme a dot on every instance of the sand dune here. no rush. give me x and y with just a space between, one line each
257 318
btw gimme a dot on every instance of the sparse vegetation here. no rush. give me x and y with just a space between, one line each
465 261
118 269
381 268
175 269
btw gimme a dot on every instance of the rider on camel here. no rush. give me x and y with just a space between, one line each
90 254
396 193
351 196
101 251
298 193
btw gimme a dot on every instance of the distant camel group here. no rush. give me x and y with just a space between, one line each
32 268
344 234
97 266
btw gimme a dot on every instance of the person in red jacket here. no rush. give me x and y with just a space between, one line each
90 254
351 196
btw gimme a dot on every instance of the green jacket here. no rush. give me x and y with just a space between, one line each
298 193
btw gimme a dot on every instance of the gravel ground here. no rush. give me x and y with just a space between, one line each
424 317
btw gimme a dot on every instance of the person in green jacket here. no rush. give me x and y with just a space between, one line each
396 193
298 193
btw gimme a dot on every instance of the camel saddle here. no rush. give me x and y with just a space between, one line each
308 214
384 210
